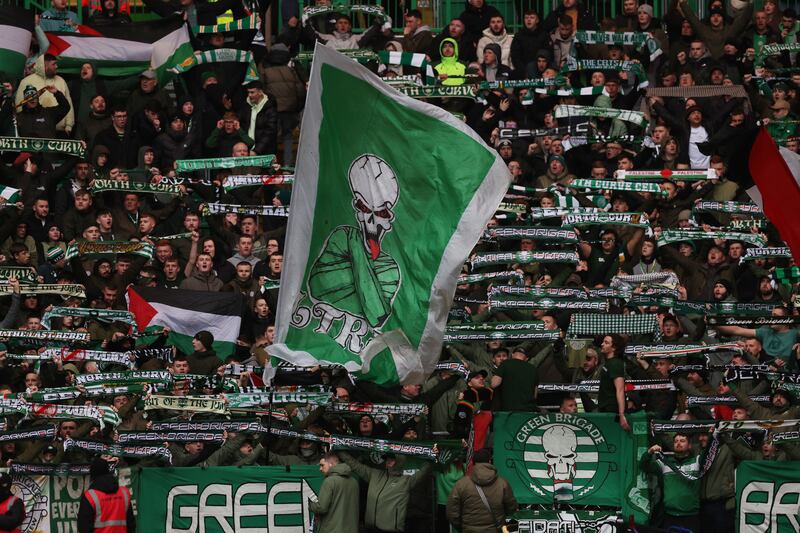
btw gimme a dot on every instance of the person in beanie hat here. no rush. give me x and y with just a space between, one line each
466 509
12 510
105 506
204 359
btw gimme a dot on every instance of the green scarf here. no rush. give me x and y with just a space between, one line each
47 146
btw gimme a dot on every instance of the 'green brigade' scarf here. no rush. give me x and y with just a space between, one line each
537 234
137 452
103 315
617 186
667 351
787 276
583 324
45 335
541 213
602 218
462 336
157 238
439 91
100 185
727 207
411 60
577 65
252 180
568 111
98 249
62 289
40 433
199 404
758 425
693 401
171 436
465 279
220 55
766 253
690 471
355 408
520 302
59 470
683 426
558 292
237 426
247 23
486 259
260 210
190 165
624 38
121 378
697 234
356 54
343 442
23 274
48 146
660 175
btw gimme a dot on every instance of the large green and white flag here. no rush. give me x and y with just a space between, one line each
390 196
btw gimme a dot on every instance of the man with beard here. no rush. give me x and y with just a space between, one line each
173 144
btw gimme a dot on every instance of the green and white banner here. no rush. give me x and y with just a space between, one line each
767 495
264 499
584 460
48 146
365 284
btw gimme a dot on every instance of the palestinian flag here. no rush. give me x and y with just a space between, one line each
9 194
126 50
186 313
16 29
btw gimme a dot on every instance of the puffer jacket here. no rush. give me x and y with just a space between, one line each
450 65
466 511
282 81
47 99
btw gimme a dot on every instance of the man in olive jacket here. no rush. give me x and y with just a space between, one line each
336 509
465 509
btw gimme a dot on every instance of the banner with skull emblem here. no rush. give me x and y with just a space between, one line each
585 459
390 196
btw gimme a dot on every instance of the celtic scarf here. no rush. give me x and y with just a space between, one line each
658 279
535 83
59 470
247 23
755 322
727 207
170 436
70 393
638 220
357 54
220 55
698 468
101 185
373 10
520 302
190 165
48 146
569 91
260 210
237 426
788 436
122 378
250 180
234 369
409 59
693 401
103 315
557 292
439 91
101 415
661 175
462 336
199 404
766 253
524 133
626 38
40 433
576 65
62 289
115 450
683 426
98 249
540 213
485 259
593 385
758 425
747 224
569 111
69 354
343 442
682 350
601 324
617 186
355 408
787 276
23 274
264 398
637 348
158 238
543 234
44 335
466 279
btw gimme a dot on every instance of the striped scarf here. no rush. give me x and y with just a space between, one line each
247 23
221 55
617 186
99 249
409 59
577 65
766 253
568 111
696 234
638 220
469 279
115 450
660 175
486 259
212 163
623 38
251 180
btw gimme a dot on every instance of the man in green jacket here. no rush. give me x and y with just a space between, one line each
681 482
336 508
387 492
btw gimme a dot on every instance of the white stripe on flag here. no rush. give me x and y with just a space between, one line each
417 60
106 49
395 58
15 39
164 48
792 161
8 193
188 322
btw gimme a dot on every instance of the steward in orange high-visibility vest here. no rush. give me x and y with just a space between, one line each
12 510
105 506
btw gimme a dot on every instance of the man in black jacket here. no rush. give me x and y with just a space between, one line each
260 119
37 121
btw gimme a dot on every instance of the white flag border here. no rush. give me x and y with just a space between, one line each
301 222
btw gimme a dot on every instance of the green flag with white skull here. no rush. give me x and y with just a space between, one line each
390 196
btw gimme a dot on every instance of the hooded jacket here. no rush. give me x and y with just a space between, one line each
499 70
420 41
476 19
47 99
504 40
465 509
336 508
42 121
450 65
203 363
525 47
202 282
